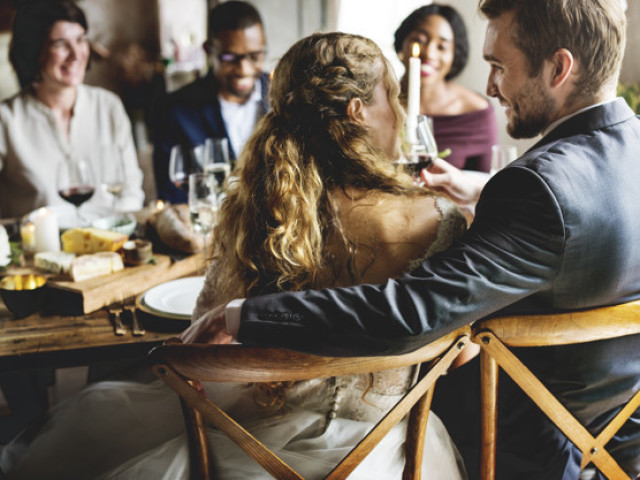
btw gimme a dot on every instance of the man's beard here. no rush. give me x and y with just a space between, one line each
540 106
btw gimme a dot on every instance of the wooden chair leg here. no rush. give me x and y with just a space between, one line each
551 406
489 415
416 430
200 461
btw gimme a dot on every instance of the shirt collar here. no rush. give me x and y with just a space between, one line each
555 124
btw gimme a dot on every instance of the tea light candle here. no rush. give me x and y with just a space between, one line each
413 94
27 234
47 235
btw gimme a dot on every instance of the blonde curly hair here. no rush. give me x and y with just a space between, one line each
279 211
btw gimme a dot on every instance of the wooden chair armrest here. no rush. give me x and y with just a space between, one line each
238 363
564 328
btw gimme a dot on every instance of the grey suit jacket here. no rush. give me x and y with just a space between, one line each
557 229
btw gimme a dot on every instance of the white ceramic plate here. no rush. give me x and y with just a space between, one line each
176 298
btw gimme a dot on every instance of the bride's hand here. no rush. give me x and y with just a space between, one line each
462 188
209 328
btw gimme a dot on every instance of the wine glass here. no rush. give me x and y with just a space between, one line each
112 172
216 161
183 161
502 155
75 183
203 203
418 156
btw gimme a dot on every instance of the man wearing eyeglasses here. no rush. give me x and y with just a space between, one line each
226 103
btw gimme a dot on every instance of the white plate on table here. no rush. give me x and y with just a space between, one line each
175 299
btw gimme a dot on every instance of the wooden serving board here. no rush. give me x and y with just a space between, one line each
67 297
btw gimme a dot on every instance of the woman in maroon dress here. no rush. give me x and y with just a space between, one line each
463 120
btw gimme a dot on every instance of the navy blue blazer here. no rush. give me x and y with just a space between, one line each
557 229
187 117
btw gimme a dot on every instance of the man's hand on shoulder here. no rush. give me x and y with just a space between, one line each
209 328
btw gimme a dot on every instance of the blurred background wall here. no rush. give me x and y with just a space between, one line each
139 41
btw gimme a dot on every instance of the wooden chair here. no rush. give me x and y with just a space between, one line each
183 366
496 335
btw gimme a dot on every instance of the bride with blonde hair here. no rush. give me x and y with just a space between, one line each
315 201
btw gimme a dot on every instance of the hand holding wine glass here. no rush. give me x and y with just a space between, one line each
75 183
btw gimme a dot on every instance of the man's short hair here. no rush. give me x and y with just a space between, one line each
232 15
594 31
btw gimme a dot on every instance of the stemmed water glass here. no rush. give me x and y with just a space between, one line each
184 161
112 172
75 183
216 161
501 156
203 203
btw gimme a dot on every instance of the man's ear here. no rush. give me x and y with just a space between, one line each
563 67
355 110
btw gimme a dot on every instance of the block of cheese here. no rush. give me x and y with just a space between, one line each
56 262
95 265
92 240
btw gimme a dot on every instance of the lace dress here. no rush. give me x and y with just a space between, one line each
134 430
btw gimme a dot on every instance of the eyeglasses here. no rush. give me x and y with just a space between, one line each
253 57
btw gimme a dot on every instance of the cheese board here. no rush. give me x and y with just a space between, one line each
65 296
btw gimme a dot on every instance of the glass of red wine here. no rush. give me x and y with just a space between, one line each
184 161
75 184
420 155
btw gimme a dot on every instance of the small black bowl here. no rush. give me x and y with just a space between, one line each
23 294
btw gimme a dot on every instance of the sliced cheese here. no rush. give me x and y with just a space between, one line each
92 240
56 262
95 265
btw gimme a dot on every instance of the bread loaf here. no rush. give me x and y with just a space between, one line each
173 227
92 240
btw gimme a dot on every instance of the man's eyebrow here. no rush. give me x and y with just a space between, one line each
491 58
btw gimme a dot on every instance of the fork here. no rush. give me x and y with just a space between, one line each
130 305
115 309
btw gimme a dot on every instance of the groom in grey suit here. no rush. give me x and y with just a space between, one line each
558 229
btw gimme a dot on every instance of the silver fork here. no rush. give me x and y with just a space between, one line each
130 305
115 309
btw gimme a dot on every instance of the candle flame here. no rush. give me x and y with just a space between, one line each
415 50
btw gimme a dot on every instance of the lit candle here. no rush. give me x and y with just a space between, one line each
47 234
413 94
27 233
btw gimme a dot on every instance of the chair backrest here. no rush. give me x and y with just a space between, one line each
183 366
496 335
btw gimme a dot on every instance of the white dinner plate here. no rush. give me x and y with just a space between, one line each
175 299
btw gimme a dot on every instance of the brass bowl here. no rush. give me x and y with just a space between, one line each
23 294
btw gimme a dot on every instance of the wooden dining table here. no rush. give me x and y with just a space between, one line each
47 339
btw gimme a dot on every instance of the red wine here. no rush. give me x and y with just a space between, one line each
182 184
414 168
77 195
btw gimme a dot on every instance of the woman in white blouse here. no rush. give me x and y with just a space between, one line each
55 118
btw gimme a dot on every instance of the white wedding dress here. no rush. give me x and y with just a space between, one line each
134 429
